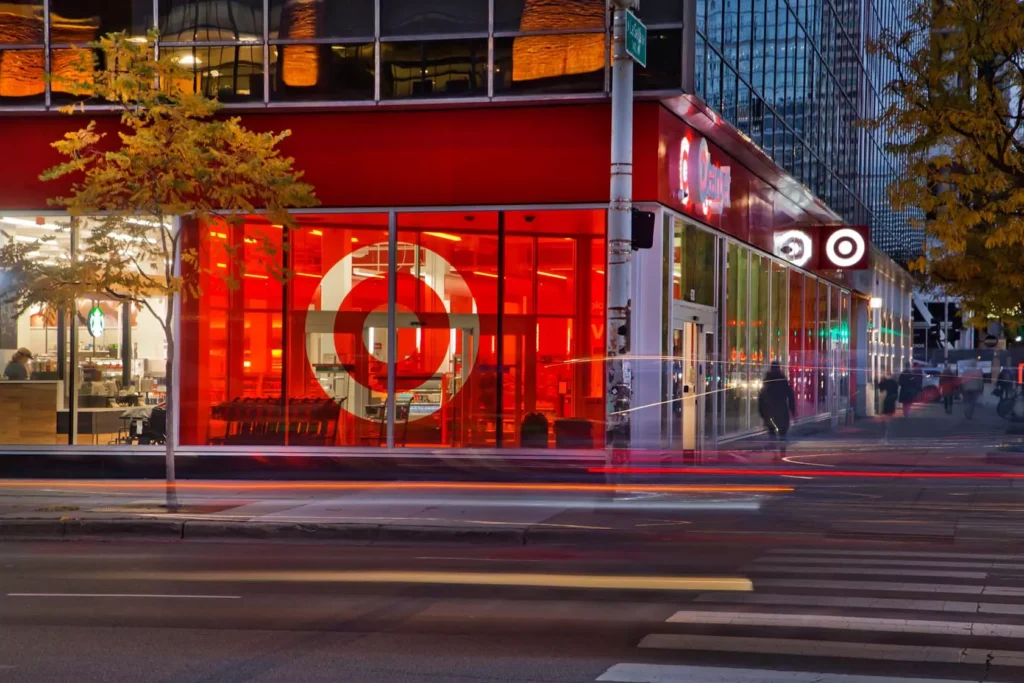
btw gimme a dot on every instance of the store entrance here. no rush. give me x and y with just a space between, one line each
689 388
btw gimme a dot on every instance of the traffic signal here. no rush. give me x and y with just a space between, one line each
642 223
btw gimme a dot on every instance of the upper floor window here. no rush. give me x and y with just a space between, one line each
306 19
21 22
212 21
522 16
426 17
82 21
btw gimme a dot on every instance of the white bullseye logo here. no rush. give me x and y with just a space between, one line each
845 248
795 246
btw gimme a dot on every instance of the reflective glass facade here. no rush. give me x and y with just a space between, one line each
795 77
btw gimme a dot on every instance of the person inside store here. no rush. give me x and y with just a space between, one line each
17 368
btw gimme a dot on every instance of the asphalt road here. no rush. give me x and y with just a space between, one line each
700 612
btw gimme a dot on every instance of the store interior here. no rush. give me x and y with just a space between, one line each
117 361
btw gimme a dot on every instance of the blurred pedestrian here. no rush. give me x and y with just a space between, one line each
891 388
972 385
910 387
776 402
947 387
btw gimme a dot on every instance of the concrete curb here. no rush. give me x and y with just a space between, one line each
367 534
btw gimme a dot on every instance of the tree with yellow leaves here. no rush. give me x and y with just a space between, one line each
956 114
174 158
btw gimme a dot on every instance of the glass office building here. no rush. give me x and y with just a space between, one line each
795 77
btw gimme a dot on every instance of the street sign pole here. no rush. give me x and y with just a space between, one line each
618 372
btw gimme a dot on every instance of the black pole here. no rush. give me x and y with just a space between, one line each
126 345
499 346
62 345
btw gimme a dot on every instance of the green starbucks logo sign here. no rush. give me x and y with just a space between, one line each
95 321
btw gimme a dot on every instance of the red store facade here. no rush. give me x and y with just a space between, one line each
490 221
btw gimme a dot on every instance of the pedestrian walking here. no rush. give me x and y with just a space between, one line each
947 387
776 402
890 386
972 386
910 387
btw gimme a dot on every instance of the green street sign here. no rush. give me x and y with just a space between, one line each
636 39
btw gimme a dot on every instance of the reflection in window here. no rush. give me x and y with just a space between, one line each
21 22
302 19
661 11
737 360
449 68
211 20
337 72
422 17
72 68
229 73
548 15
664 70
21 76
81 21
694 263
559 63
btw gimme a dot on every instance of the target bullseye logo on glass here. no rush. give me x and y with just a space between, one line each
708 184
796 246
845 248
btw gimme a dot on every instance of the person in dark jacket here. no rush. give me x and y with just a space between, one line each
947 387
891 387
910 387
776 402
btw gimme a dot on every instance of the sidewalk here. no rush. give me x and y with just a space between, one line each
928 438
368 512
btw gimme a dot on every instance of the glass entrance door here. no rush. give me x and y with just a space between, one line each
689 388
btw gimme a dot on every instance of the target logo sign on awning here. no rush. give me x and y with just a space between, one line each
829 247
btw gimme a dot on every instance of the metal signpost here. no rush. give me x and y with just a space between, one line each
626 46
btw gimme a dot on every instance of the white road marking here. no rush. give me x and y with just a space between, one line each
877 624
825 648
122 595
891 553
825 569
846 561
668 673
887 586
861 603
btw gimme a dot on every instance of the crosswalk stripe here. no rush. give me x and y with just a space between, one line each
764 568
891 587
891 553
827 621
890 562
825 648
670 673
860 603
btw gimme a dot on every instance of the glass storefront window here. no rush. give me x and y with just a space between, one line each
553 329
321 72
693 277
737 373
231 73
331 349
212 21
82 21
778 333
305 19
549 63
760 283
446 68
432 17
823 361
